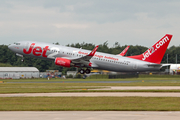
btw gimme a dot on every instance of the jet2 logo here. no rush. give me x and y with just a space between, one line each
37 51
148 53
151 50
61 62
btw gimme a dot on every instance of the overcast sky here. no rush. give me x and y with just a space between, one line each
129 22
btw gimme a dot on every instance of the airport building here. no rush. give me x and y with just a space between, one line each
174 69
18 72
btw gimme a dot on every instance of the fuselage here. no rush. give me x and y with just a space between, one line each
100 60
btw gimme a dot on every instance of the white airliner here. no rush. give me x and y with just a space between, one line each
73 57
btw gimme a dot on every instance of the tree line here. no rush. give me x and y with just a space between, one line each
8 58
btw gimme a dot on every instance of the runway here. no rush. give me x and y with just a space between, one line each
95 94
88 115
140 88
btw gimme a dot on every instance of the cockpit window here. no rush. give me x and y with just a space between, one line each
17 43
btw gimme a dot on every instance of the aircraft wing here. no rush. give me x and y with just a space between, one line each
90 55
85 60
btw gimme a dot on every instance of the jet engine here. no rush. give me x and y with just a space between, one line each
63 62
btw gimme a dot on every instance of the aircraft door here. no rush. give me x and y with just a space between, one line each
26 46
135 66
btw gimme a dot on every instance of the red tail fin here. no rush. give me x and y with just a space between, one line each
124 51
155 53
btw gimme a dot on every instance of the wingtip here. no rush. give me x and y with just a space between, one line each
170 35
93 51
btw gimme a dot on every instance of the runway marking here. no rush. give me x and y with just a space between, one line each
88 115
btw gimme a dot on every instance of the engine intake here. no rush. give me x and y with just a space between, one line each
63 62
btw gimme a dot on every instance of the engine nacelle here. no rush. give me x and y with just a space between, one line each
63 62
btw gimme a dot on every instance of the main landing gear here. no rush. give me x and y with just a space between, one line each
87 71
22 58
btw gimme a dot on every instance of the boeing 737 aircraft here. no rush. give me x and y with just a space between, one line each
73 57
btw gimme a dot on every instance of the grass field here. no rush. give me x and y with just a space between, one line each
101 78
37 85
89 104
65 87
135 80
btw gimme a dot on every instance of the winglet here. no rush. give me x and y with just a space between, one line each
124 51
93 51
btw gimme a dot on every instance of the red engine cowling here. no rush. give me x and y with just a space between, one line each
63 62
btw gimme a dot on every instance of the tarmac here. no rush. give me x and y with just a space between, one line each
140 88
95 94
88 115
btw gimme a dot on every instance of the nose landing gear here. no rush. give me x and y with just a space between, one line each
22 60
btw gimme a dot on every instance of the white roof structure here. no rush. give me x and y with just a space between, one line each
18 69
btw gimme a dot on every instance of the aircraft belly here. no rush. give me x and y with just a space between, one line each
113 67
124 67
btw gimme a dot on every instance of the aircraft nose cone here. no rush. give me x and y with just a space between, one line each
10 47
